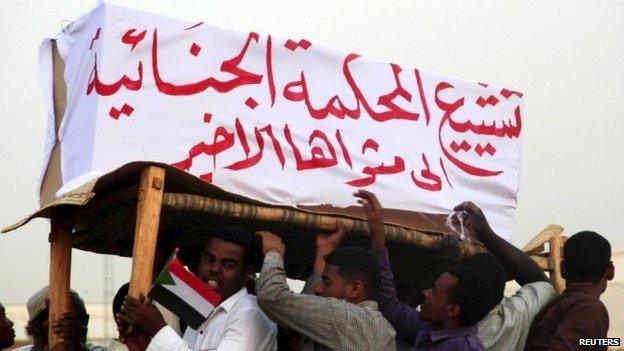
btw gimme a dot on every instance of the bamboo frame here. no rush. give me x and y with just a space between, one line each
328 223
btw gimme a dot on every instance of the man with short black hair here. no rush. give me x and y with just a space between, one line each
578 313
356 264
507 325
472 293
237 323
342 315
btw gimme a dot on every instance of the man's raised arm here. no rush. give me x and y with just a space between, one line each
313 316
522 268
405 319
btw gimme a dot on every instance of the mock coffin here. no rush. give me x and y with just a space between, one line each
282 121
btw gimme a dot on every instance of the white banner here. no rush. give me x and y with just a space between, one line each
281 120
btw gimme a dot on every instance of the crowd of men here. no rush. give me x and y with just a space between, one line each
350 301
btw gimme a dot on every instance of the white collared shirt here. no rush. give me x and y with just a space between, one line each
236 324
506 327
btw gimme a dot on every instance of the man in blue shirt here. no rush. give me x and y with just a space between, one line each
459 298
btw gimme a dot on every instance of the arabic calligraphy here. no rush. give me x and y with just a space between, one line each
467 142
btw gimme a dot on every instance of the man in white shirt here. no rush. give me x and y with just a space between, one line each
237 323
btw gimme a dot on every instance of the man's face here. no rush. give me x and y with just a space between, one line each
437 306
7 333
222 267
332 283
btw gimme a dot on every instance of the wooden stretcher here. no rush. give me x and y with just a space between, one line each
143 209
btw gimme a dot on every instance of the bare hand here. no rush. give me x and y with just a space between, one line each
271 242
326 243
137 340
122 325
69 327
374 214
145 317
476 223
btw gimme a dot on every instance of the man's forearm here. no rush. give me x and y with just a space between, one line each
378 241
378 235
271 284
403 318
319 263
523 269
310 315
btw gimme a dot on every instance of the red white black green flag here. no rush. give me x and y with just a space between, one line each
184 294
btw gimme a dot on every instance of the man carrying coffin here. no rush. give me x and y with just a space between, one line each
458 299
237 323
342 313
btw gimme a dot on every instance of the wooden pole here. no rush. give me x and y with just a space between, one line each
555 257
146 231
60 273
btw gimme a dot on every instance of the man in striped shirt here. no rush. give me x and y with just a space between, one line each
342 313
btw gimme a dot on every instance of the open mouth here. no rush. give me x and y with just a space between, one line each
424 313
214 283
